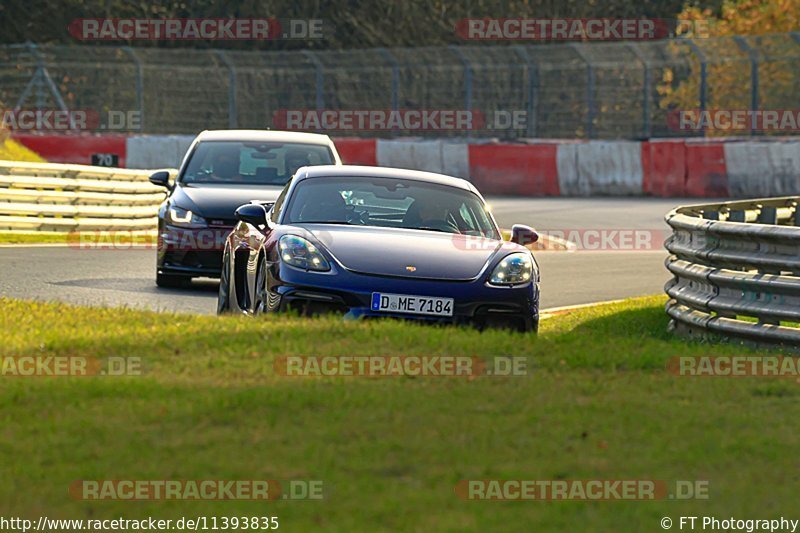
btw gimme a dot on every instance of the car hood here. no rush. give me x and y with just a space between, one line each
221 201
405 253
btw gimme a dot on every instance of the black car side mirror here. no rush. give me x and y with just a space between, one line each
253 214
160 178
524 235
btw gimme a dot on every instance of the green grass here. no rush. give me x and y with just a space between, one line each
598 405
89 239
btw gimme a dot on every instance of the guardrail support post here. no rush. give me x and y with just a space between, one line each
737 215
768 215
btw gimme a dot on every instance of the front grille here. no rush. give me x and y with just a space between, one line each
228 223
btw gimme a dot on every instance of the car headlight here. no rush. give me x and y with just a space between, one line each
300 253
513 269
184 218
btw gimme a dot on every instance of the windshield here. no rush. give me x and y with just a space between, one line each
252 163
389 202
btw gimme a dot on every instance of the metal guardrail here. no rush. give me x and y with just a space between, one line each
54 197
736 268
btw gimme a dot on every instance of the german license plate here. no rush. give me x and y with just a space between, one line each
415 305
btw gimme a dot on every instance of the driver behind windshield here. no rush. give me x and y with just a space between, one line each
295 159
430 213
225 166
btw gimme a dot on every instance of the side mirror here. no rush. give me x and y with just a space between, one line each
266 205
160 178
524 235
253 214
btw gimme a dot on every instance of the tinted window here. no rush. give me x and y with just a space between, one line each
389 202
252 163
276 209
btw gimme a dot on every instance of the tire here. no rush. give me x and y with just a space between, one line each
169 281
224 295
260 297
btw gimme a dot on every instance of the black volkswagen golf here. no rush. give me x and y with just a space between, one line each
221 171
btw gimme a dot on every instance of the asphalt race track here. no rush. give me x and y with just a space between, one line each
126 277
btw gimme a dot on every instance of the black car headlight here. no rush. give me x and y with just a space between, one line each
184 218
300 253
513 269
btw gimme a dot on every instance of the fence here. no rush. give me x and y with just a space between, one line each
616 90
65 198
736 268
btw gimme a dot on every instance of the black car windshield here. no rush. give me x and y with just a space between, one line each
251 163
389 202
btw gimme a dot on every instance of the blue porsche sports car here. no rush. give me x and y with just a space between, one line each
380 242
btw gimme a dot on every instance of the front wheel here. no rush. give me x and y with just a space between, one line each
260 306
224 295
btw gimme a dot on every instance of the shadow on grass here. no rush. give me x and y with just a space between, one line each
634 336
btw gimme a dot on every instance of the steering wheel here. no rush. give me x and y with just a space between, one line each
354 217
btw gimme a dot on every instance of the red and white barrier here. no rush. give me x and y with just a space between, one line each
77 149
759 169
444 157
706 169
658 167
157 151
664 167
357 151
529 170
